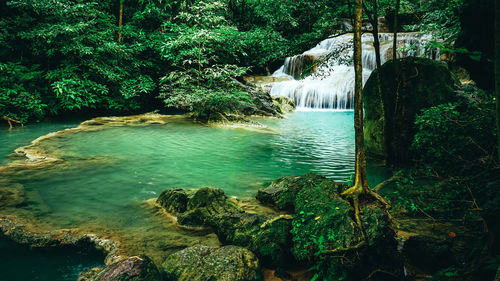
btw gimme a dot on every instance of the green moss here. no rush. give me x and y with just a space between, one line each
323 221
269 241
200 263
196 207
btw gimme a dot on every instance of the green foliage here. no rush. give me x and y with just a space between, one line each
19 98
420 193
217 93
80 64
319 226
441 20
458 138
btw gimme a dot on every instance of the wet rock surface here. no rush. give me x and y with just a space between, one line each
136 268
200 263
265 234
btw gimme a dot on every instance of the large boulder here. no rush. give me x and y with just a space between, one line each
323 224
137 268
201 263
195 207
415 84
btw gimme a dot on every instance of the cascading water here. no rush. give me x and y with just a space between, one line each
331 85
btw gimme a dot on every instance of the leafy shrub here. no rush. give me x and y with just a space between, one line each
458 138
19 98
206 92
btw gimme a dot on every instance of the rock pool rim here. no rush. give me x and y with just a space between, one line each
34 156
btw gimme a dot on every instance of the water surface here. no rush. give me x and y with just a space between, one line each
137 163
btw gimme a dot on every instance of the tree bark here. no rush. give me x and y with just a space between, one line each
360 168
120 21
497 69
373 17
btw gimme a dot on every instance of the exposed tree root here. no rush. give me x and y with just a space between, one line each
387 182
358 190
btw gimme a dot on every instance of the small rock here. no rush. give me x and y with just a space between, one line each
137 268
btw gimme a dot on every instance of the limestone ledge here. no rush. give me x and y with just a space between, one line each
26 234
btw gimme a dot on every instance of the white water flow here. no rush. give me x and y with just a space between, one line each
331 85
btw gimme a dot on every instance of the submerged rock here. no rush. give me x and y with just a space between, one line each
421 83
196 207
137 268
11 196
200 263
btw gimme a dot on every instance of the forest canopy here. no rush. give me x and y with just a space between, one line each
67 56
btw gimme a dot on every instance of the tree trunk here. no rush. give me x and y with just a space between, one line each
497 69
360 180
120 22
395 43
376 45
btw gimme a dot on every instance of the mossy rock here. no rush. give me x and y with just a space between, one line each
201 263
416 84
137 268
323 222
195 207
284 104
282 192
265 235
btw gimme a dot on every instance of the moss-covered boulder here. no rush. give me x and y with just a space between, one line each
415 84
137 268
194 207
326 236
267 236
283 191
201 263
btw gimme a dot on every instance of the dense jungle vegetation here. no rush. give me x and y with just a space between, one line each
62 58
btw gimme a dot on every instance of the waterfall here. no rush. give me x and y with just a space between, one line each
331 85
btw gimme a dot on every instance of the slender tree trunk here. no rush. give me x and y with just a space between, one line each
360 180
120 22
395 43
497 68
376 45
